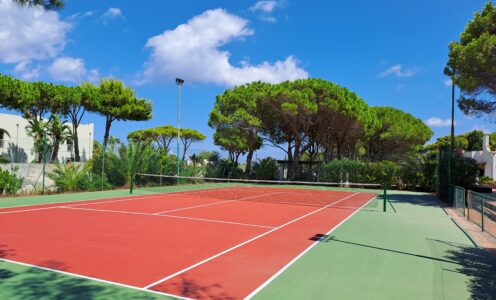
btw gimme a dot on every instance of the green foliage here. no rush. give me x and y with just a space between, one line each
236 110
4 159
471 63
37 129
69 178
355 171
223 168
114 101
59 132
265 169
9 183
74 178
393 133
45 4
211 156
464 172
418 171
189 136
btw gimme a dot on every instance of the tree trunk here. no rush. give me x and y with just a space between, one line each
55 151
249 158
108 123
75 143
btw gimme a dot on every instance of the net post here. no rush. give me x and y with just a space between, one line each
384 197
131 183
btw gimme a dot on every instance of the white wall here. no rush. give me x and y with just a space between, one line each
486 157
15 126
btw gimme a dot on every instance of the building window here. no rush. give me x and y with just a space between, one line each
2 136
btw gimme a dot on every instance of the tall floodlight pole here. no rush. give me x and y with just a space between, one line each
17 143
179 82
452 137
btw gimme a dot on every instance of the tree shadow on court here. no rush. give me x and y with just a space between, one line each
6 252
19 282
477 263
420 199
192 289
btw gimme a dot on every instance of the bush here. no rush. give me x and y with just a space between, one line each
355 171
9 183
265 169
70 178
4 159
224 168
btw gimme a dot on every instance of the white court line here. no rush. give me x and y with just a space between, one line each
244 243
302 253
133 197
215 203
93 278
166 216
81 204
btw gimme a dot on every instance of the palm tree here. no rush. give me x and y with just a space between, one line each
59 132
37 129
45 4
112 142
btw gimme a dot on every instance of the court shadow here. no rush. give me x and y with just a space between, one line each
477 263
6 252
421 199
192 289
323 238
19 282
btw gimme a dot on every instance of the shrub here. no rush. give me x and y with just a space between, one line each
70 178
9 183
265 169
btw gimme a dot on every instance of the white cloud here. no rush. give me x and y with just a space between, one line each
438 122
447 82
269 19
192 51
265 6
25 71
398 71
30 34
71 69
112 13
78 16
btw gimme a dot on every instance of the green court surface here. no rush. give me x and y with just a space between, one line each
416 252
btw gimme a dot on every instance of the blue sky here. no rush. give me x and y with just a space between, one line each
391 53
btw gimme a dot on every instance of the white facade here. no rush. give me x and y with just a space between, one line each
486 158
19 147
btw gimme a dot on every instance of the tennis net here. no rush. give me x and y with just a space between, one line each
273 191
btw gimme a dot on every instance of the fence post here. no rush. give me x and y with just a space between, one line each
384 197
482 213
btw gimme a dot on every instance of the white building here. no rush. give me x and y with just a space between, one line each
18 147
486 158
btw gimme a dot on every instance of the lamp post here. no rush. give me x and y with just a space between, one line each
17 143
452 137
179 82
89 147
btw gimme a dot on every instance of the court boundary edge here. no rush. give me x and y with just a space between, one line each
268 281
94 279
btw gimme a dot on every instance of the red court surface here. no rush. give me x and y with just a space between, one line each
219 243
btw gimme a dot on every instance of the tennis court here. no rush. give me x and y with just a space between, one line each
231 239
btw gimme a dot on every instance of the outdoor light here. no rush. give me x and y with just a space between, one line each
179 82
